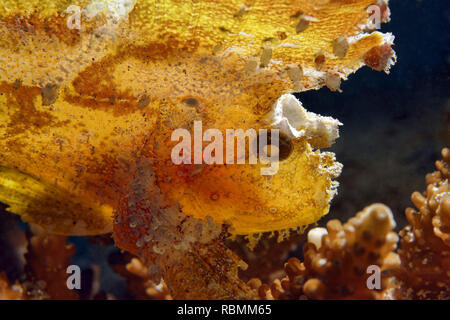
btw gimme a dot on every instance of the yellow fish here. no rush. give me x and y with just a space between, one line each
88 87
93 93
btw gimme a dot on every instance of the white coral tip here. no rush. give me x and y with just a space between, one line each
315 236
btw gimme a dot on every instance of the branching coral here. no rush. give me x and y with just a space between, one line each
188 252
44 273
336 259
139 280
264 259
425 244
335 265
48 258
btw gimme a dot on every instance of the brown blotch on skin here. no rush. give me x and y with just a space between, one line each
378 58
49 94
282 35
285 146
94 86
191 102
295 73
53 27
319 60
25 116
17 84
240 13
144 101
251 66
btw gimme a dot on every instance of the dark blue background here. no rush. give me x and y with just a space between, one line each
394 125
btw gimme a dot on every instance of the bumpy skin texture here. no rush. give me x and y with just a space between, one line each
189 253
264 259
425 244
332 271
337 270
86 118
76 105
43 275
140 284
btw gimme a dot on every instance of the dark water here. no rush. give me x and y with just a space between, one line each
394 125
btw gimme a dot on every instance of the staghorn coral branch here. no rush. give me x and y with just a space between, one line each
8 291
87 119
336 259
425 246
139 281
84 100
188 253
333 267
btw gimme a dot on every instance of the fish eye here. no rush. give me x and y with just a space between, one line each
285 146
191 102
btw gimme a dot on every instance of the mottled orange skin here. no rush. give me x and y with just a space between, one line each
86 117
378 57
